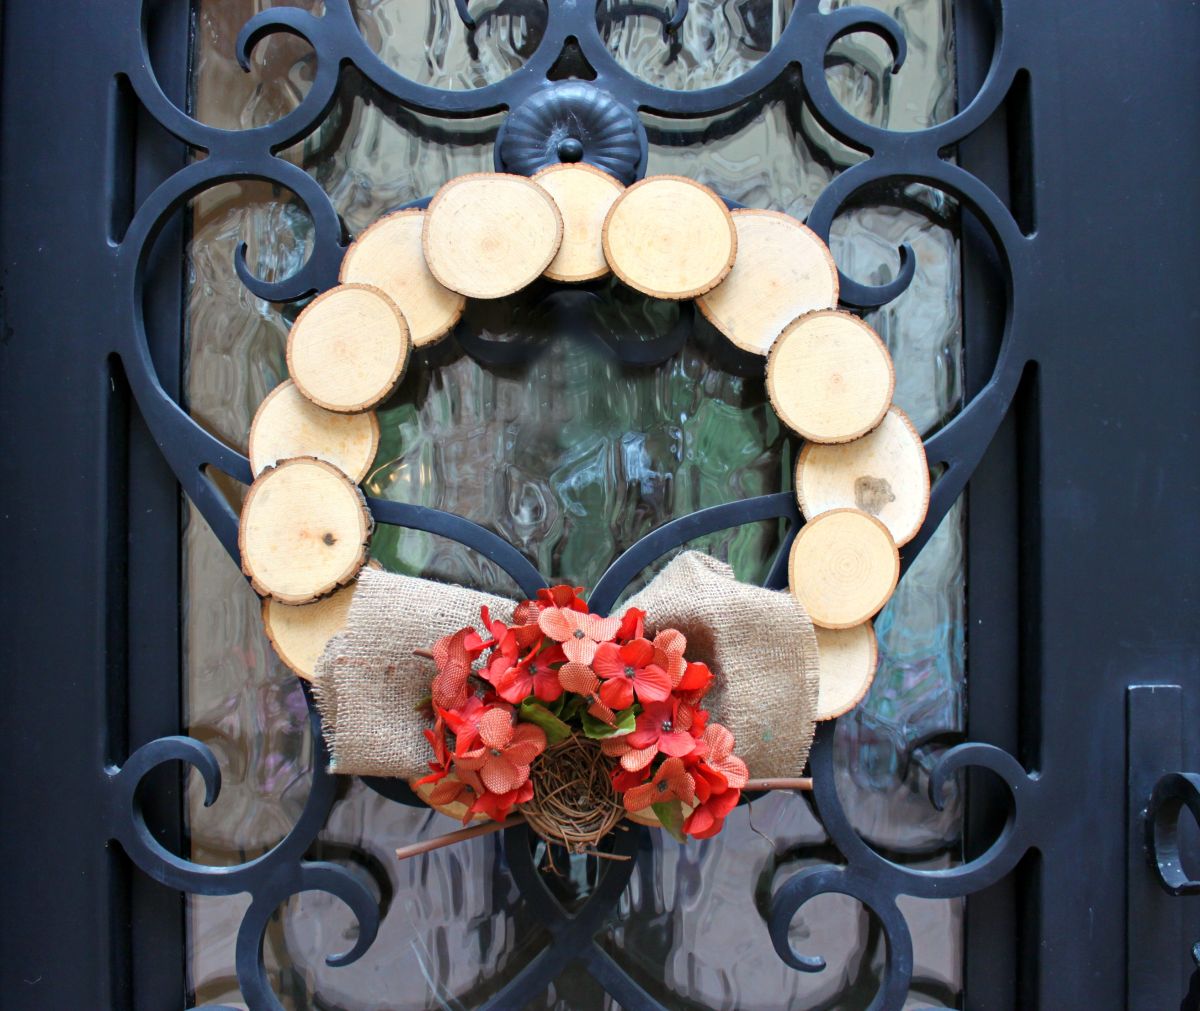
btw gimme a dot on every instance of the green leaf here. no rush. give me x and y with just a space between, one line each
670 813
597 729
539 715
571 706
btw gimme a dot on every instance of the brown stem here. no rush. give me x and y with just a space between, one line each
483 828
779 783
423 653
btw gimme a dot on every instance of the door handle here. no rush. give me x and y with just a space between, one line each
1171 794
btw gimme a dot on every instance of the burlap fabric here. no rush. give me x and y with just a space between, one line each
759 643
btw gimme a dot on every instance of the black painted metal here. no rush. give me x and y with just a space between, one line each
1159 946
1055 824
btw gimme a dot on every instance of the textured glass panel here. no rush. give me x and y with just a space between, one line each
572 457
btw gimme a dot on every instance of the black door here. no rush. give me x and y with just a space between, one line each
1010 192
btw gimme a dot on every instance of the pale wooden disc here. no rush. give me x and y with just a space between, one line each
843 568
829 376
299 632
304 531
782 270
848 657
347 350
670 237
287 424
489 234
389 256
884 473
584 195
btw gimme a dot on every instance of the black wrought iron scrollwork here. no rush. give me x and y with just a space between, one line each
597 120
270 879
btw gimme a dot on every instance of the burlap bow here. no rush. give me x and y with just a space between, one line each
759 643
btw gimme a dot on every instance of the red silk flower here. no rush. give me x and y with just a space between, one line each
533 675
709 818
502 760
580 633
629 671
671 782
667 726
581 679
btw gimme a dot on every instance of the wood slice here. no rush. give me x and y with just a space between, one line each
849 657
782 270
299 632
670 237
584 195
347 350
829 376
843 568
304 531
489 234
884 473
388 255
287 424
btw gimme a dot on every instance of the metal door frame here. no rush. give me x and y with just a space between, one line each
1106 194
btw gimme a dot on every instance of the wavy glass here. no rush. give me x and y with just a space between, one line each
572 456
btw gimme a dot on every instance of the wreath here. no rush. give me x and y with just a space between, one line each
574 719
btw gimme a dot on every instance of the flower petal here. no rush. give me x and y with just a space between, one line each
617 693
652 684
598 629
720 742
609 662
677 743
634 760
495 727
577 678
500 775
556 623
579 650
637 653
638 798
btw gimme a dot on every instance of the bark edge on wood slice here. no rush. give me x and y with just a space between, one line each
843 567
298 632
348 349
389 255
670 237
489 234
304 531
287 425
782 270
584 195
848 660
829 376
884 473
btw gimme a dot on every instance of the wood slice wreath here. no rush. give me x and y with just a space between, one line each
762 278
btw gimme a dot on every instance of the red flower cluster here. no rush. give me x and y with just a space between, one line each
499 699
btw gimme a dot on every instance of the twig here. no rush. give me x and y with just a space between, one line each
484 828
779 783
488 827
